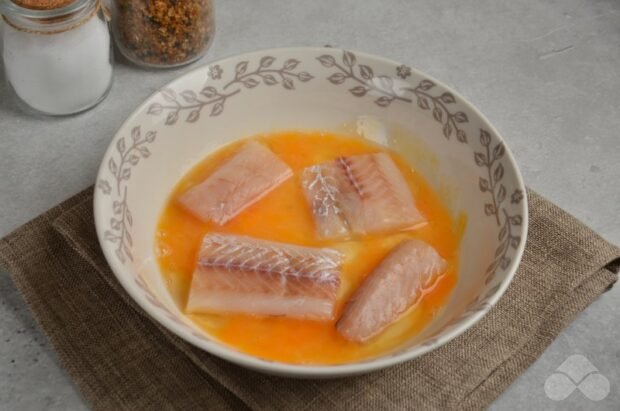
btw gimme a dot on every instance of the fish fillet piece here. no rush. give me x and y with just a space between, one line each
359 195
246 275
321 189
243 180
397 284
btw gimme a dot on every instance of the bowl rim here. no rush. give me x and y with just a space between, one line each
220 350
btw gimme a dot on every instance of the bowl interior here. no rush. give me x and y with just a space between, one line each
444 137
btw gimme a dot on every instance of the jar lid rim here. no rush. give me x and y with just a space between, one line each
8 8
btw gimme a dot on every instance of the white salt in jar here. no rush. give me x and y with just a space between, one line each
56 53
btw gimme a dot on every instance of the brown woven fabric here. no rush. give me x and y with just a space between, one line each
121 360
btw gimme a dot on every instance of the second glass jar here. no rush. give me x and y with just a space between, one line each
57 55
163 33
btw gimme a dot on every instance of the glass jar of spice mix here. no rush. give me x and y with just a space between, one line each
163 33
56 53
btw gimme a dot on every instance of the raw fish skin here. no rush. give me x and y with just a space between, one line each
359 195
248 176
321 189
246 275
397 284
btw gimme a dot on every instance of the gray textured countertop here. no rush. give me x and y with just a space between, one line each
547 74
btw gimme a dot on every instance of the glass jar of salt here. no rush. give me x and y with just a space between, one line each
56 53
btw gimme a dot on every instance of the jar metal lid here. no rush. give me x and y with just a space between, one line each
51 21
22 8
43 4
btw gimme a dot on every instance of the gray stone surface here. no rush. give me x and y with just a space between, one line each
546 73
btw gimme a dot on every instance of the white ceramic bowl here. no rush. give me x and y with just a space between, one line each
446 139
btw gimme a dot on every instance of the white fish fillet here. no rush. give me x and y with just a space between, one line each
246 275
397 284
359 195
247 177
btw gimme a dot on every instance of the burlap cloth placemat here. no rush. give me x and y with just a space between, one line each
121 360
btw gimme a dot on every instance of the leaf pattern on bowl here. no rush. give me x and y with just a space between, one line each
389 91
193 102
120 225
338 68
364 75
490 159
269 76
441 112
190 102
104 186
130 152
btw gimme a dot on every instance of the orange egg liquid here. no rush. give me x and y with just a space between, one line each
284 216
